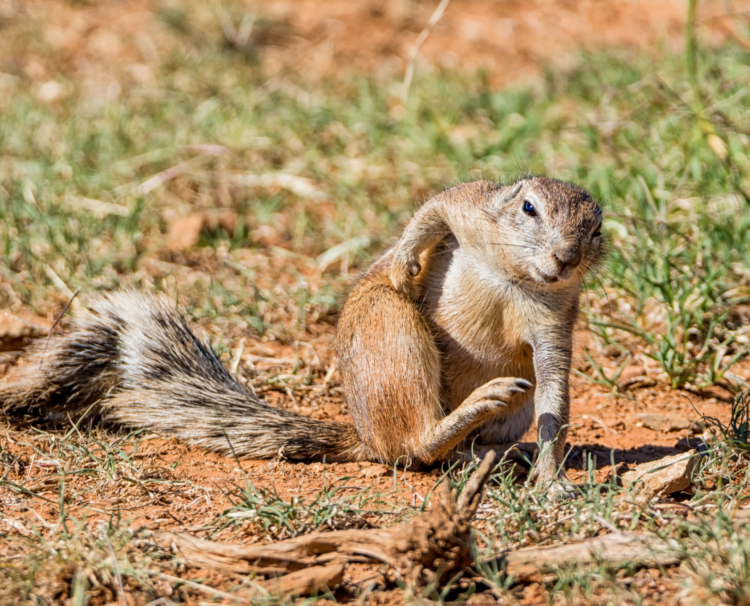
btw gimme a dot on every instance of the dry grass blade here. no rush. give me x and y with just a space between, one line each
299 186
62 287
57 321
166 175
199 587
118 575
97 208
414 52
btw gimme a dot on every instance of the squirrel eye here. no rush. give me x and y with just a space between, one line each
597 233
528 208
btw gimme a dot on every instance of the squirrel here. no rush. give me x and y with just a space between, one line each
461 330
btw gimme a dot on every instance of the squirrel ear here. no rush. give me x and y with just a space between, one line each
507 196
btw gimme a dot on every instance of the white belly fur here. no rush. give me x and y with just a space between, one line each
482 332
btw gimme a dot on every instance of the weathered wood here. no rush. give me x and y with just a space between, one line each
285 556
434 544
308 581
615 549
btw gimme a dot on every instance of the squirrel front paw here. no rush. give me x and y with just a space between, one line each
547 472
497 393
403 271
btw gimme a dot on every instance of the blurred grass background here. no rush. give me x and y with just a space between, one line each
259 195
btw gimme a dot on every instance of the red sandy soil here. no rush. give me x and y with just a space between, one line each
115 44
605 425
175 487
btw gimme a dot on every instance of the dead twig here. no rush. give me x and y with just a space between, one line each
55 323
237 357
436 544
528 564
415 49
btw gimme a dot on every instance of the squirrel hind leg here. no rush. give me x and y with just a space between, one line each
482 405
390 364
390 367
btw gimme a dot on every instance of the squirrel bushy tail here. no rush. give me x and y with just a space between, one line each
134 361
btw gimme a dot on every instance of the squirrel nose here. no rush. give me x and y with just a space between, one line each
569 255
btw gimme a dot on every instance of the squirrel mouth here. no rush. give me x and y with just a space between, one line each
549 279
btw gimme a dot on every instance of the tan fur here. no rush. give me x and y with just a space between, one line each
462 330
498 290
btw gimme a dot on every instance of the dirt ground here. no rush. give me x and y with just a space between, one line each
645 422
172 486
166 485
113 44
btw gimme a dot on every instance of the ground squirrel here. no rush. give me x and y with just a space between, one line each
461 330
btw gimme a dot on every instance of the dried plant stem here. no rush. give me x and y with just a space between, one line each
415 48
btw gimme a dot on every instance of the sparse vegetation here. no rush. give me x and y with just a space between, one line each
255 199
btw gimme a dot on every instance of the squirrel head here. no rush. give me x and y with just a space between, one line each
539 230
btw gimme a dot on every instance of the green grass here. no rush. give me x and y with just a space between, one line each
735 433
639 136
333 508
668 155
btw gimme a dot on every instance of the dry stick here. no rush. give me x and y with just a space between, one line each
600 422
54 324
616 549
435 542
415 49
198 586
237 357
115 565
